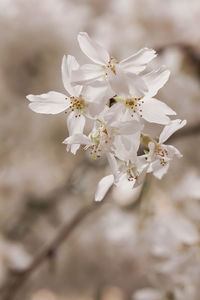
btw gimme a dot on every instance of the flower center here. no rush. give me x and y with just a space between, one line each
110 66
162 154
134 105
100 139
132 174
78 105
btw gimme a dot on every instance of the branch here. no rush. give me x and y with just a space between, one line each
189 51
19 277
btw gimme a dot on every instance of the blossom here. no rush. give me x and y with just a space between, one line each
79 102
108 137
146 107
107 68
117 98
133 172
160 155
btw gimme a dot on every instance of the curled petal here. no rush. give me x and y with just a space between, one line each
158 170
92 49
77 139
103 186
50 103
173 151
155 80
169 129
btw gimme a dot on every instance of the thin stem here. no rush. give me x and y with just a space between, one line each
19 277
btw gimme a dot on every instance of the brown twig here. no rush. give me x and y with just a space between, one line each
18 278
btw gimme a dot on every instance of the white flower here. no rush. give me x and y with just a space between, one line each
133 172
118 124
160 155
146 107
109 69
103 187
102 138
80 101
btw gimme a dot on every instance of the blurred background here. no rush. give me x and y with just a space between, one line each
121 251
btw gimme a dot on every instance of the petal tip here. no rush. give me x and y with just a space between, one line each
29 97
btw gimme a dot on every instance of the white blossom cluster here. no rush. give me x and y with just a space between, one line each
119 99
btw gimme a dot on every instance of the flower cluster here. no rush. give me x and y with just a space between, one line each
118 98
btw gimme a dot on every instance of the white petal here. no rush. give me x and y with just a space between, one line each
95 108
97 91
141 177
92 49
97 94
137 86
74 148
127 146
50 103
173 151
113 165
155 111
169 129
87 74
103 186
77 139
137 62
159 170
70 64
114 113
75 124
127 128
156 80
118 81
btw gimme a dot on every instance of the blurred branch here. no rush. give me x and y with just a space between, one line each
189 50
35 206
18 278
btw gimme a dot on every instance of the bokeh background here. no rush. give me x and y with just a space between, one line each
121 251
